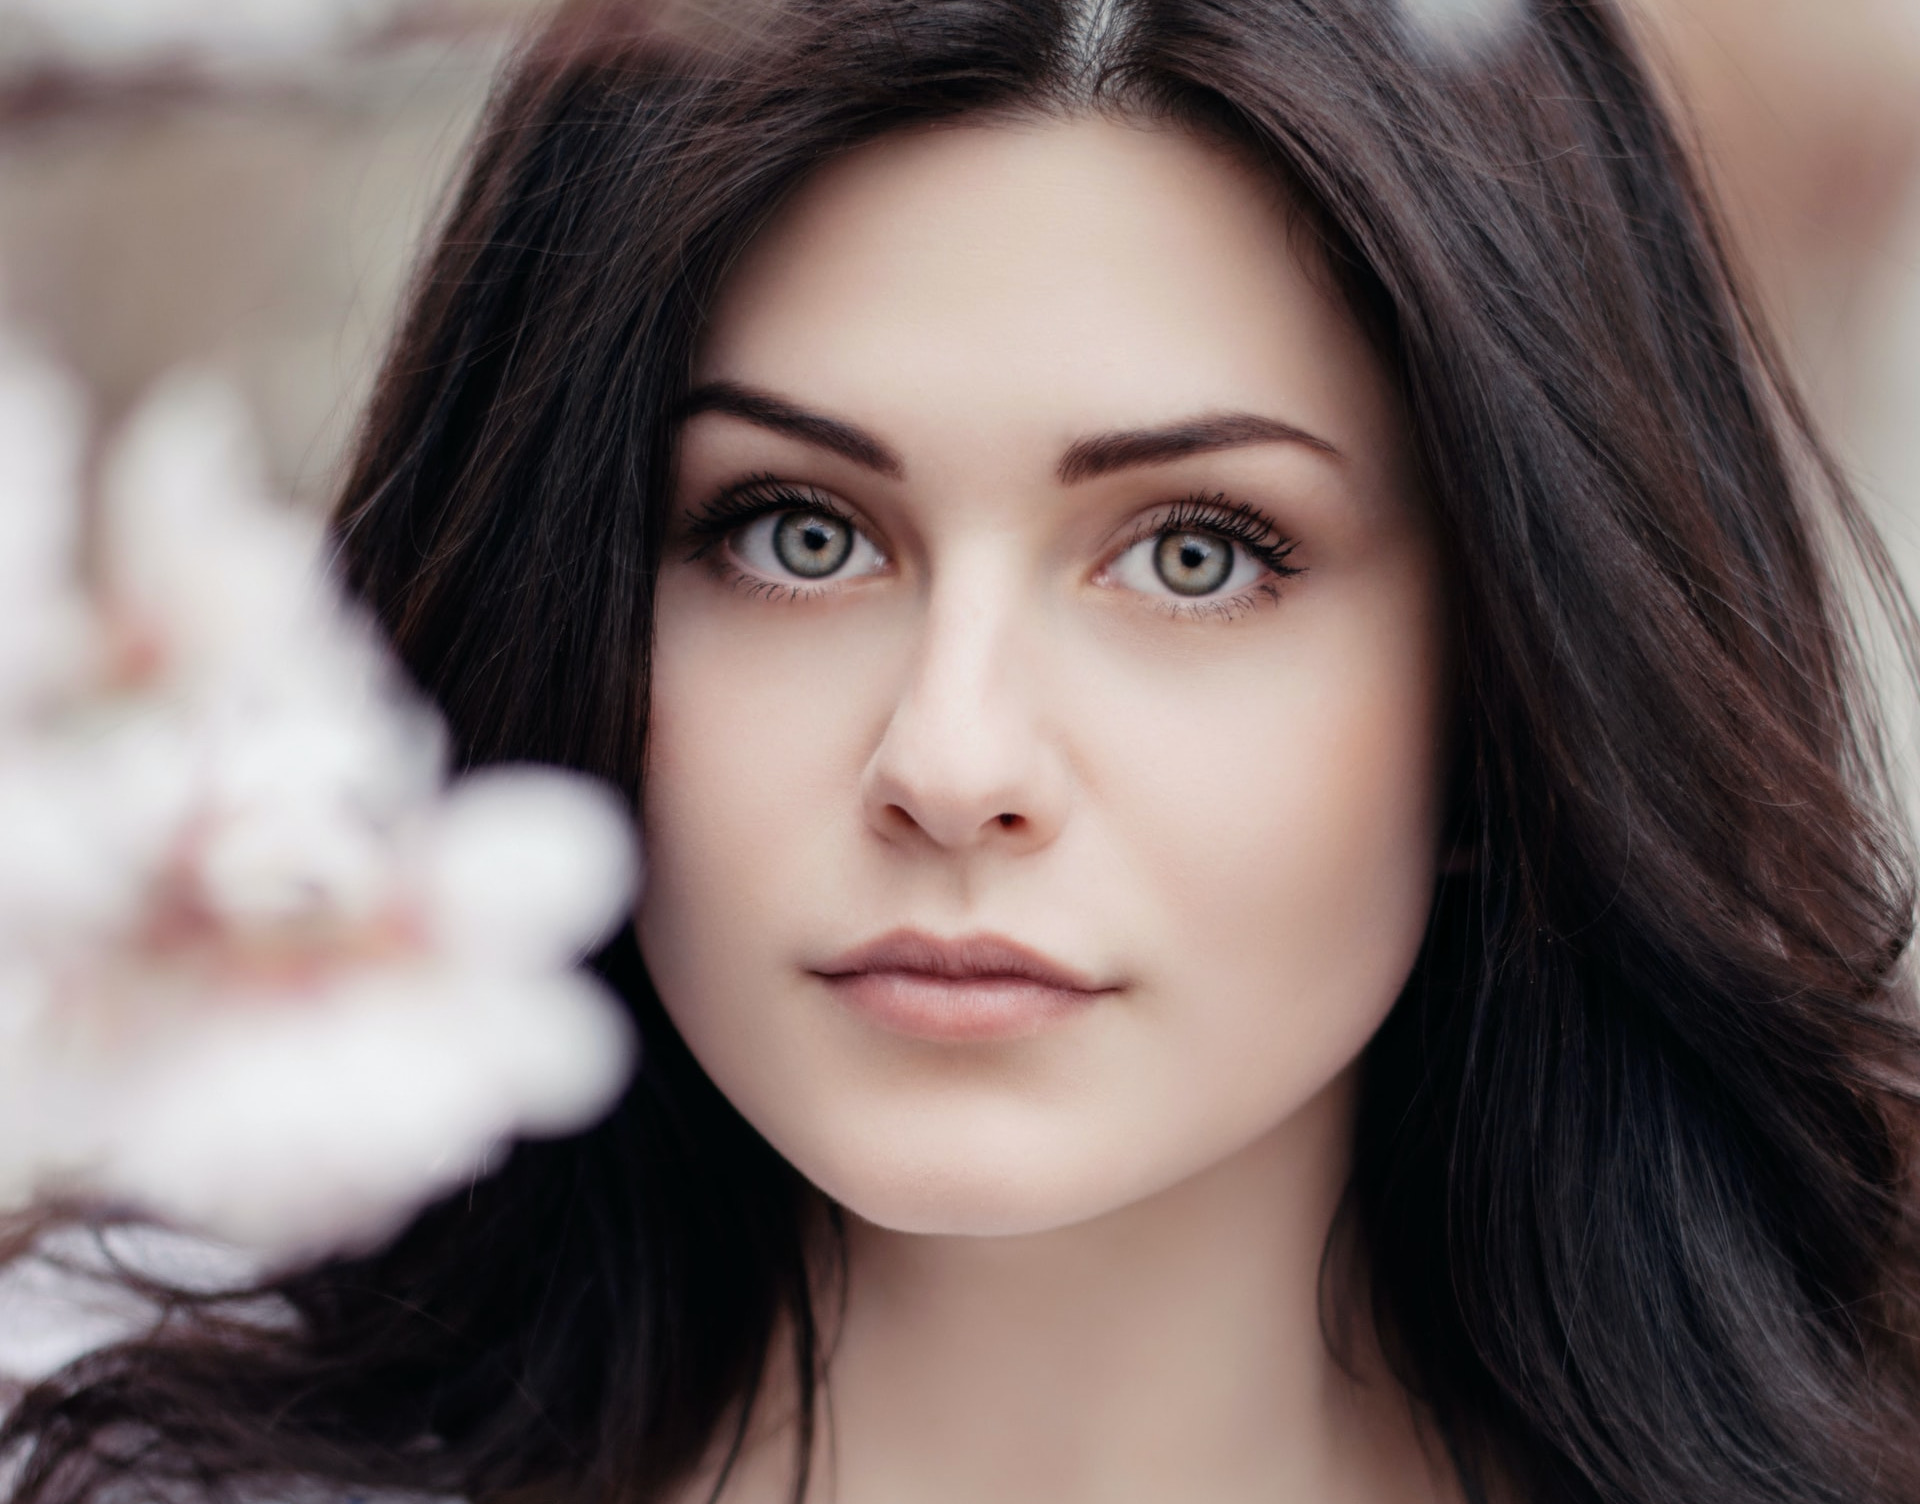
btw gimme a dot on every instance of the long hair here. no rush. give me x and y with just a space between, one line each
1633 1185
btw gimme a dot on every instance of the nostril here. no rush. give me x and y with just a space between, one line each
1007 822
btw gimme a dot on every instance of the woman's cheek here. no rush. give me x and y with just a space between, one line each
1287 816
762 717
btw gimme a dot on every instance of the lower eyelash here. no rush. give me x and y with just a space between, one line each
759 589
1230 607
754 586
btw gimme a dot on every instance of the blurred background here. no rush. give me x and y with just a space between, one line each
256 211
263 217
1806 115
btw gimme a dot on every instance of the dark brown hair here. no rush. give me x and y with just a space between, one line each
1635 1150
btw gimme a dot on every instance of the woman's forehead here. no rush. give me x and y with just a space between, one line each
1071 275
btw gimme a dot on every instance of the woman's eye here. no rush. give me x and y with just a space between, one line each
1186 563
805 545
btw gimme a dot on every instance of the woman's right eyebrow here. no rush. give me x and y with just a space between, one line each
768 411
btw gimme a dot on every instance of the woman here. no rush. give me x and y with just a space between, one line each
1267 878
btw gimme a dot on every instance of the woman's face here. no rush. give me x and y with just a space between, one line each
1049 679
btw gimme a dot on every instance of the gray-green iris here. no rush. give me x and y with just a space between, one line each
812 544
1193 563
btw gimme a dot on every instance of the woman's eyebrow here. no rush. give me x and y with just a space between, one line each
1107 452
836 434
1098 454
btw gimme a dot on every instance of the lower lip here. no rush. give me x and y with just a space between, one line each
957 1010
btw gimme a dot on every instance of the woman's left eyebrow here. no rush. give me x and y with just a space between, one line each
1101 454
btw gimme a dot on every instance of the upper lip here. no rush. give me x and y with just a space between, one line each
960 959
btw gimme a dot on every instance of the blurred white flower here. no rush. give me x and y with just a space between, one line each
117 35
262 973
1461 28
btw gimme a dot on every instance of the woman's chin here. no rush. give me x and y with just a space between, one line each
976 1194
955 1206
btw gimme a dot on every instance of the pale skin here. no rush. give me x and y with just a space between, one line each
1091 604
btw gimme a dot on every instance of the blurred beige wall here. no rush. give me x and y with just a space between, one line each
1808 113
267 231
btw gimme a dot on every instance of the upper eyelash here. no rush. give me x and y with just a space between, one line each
750 500
1215 514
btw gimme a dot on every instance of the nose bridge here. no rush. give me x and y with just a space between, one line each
971 621
965 755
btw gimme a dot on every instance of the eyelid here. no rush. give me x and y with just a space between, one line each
1212 513
738 507
734 506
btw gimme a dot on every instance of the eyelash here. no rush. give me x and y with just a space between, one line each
734 508
1213 513
761 495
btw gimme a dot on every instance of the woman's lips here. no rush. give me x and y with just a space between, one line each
975 987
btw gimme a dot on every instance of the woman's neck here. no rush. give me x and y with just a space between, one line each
1173 1349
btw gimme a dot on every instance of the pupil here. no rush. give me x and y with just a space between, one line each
810 545
1193 563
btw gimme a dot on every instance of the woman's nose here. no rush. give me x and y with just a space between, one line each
966 761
